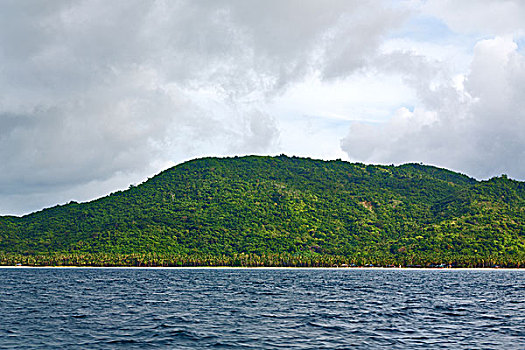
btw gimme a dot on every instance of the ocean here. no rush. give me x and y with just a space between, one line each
220 308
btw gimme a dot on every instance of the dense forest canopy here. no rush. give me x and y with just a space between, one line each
282 211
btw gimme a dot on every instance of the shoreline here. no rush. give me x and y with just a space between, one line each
269 268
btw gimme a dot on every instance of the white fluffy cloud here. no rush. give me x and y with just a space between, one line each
473 124
489 17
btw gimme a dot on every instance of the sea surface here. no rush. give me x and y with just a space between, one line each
89 308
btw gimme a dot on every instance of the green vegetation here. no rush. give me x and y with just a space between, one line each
282 211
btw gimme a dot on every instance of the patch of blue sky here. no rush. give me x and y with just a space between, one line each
520 41
366 115
426 29
327 122
429 29
409 107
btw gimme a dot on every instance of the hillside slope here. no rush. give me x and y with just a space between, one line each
282 211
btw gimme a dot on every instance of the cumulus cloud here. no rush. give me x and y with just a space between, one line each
97 95
490 17
473 124
107 93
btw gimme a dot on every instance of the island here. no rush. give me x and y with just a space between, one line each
282 211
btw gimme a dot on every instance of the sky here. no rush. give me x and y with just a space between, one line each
98 95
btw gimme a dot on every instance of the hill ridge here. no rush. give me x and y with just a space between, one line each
212 210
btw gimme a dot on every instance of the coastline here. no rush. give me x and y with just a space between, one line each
269 268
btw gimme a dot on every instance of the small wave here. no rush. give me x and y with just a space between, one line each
313 310
325 326
122 341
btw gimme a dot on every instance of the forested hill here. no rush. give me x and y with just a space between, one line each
282 211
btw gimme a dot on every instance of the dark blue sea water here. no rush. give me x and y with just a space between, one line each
71 308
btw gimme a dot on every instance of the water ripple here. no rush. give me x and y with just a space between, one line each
261 309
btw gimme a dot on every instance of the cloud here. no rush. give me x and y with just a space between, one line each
473 124
489 17
103 93
95 96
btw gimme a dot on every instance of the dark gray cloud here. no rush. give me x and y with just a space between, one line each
97 94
